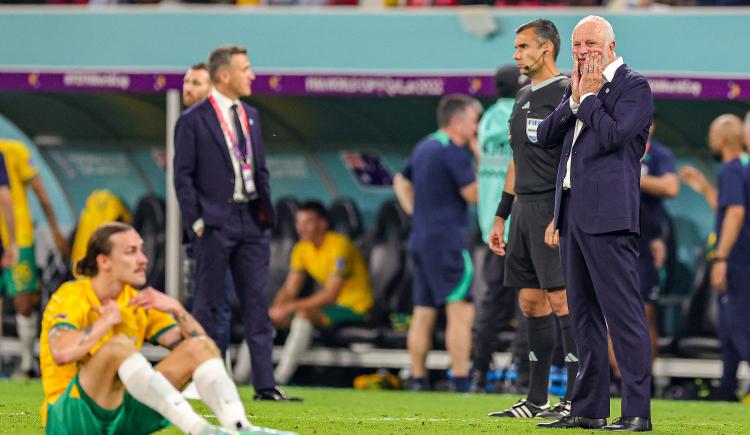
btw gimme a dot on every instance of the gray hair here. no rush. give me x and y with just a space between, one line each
609 32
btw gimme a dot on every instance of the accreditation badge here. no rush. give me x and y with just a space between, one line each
247 178
531 125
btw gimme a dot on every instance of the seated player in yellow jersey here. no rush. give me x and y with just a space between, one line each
336 265
95 379
20 282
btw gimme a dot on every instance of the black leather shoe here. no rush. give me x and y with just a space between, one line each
571 421
275 393
629 424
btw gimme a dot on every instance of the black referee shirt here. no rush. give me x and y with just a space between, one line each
536 168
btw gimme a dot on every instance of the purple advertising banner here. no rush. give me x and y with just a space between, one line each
311 84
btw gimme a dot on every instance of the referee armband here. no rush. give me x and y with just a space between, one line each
506 203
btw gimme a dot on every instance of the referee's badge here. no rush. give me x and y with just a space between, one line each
531 125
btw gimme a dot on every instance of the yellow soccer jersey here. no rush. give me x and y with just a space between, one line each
101 206
74 305
337 256
20 171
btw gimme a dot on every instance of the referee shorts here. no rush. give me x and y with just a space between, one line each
529 263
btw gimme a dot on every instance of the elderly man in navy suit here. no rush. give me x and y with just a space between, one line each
222 186
603 123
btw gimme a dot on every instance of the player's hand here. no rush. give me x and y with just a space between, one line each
278 313
497 237
659 252
552 236
693 178
10 256
575 81
592 79
199 233
151 298
61 243
110 312
719 276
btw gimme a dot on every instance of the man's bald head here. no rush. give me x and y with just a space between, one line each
725 133
746 131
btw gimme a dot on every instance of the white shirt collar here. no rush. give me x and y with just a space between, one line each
611 69
224 102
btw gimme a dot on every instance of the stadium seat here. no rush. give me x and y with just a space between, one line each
697 336
283 238
150 220
346 218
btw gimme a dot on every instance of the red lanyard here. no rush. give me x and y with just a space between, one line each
246 160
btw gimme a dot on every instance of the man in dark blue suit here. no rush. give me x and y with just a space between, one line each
222 185
603 122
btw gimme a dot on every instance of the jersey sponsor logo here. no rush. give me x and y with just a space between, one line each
531 126
61 316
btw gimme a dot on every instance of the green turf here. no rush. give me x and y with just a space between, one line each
343 411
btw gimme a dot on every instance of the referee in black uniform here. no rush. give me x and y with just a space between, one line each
530 265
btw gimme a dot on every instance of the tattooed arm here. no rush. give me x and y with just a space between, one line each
187 326
69 345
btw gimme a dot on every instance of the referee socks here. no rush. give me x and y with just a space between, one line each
541 332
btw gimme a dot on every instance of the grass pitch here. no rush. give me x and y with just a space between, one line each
345 411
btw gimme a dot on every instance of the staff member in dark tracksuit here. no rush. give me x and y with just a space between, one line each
436 186
603 122
730 271
222 186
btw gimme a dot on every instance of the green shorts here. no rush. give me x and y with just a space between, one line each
76 413
21 278
339 313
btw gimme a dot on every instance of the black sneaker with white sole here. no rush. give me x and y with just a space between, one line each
560 410
521 409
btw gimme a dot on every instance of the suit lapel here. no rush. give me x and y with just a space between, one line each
609 87
215 128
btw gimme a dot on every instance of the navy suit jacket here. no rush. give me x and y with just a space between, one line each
203 174
605 168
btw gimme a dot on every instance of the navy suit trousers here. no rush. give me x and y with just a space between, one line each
242 248
601 271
